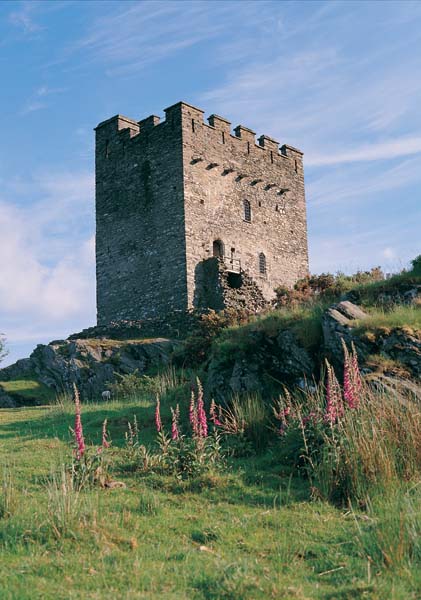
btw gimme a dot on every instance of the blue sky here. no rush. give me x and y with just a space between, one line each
340 80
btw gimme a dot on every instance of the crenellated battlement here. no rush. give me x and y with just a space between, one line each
181 115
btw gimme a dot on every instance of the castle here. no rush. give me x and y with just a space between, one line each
189 215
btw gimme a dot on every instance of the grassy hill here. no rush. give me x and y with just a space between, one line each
251 529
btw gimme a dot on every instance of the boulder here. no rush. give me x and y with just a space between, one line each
338 322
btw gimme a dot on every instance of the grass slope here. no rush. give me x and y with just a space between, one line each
248 533
27 390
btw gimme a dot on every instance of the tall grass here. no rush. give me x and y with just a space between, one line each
376 445
398 316
68 509
390 536
249 416
8 494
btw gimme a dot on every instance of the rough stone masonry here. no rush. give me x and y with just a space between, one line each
180 201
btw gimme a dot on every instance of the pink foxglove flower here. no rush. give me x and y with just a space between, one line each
352 377
212 414
105 442
193 415
78 431
174 427
158 422
201 414
334 405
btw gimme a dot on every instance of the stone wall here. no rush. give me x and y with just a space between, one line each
220 172
140 242
165 192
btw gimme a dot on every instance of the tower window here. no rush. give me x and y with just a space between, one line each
223 137
271 156
107 148
247 211
218 249
192 125
262 264
248 147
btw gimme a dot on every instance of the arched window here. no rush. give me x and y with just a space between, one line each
218 249
247 211
262 264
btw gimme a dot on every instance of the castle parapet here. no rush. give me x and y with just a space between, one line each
245 133
269 143
148 123
116 124
220 123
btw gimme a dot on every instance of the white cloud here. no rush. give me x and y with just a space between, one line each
48 266
383 150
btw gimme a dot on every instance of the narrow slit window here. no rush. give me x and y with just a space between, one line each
248 147
271 156
223 137
262 264
296 166
192 125
107 149
247 211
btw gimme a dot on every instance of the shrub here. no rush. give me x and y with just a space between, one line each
416 265
194 351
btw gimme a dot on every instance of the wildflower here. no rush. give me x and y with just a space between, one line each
193 415
174 427
212 413
105 442
352 377
201 414
158 423
334 405
78 431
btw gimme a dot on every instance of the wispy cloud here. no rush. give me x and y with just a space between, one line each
330 186
384 150
24 17
140 34
39 99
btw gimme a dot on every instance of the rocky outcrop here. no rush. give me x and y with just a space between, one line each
337 323
262 364
401 344
90 364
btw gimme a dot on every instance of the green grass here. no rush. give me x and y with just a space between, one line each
408 317
250 532
27 389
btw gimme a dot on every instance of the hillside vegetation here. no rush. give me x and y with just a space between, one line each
263 456
261 521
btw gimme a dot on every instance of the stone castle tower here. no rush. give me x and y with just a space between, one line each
187 212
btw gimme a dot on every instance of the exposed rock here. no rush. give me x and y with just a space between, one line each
403 345
400 344
262 363
6 401
337 323
91 364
